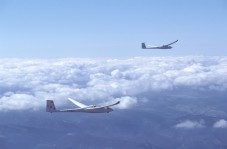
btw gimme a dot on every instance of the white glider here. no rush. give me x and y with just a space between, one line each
167 46
50 107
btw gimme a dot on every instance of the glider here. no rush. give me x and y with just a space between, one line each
167 46
50 107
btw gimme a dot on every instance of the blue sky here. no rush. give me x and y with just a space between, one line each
85 28
90 50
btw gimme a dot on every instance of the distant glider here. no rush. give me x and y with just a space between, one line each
167 46
50 107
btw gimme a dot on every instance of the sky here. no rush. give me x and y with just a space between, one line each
91 51
85 28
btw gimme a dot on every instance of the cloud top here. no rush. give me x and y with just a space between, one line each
29 82
220 124
188 124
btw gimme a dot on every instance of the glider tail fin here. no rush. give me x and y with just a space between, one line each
50 107
143 46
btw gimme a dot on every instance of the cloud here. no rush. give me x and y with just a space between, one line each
126 102
188 124
18 102
29 82
220 124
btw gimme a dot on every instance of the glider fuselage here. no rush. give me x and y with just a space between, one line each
88 110
167 46
50 107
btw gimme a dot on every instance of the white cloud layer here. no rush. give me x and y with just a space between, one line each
220 124
191 124
27 83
